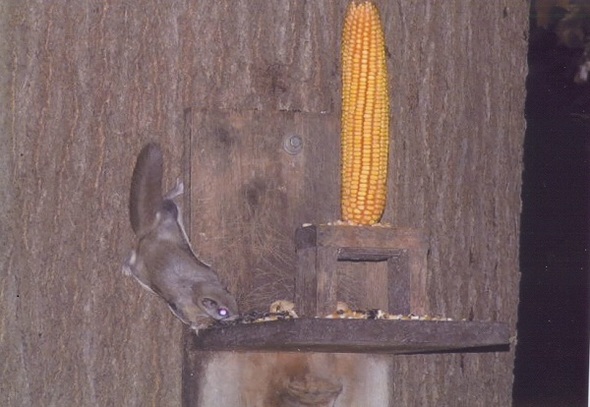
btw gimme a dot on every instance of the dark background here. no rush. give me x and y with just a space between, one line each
552 352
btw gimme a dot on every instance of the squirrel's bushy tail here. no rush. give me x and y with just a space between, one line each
145 198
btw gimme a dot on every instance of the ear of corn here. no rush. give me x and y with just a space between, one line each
365 116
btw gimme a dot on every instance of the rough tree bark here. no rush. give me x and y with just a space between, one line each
85 84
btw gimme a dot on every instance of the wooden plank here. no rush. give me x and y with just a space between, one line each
355 336
399 292
378 237
326 271
306 282
417 266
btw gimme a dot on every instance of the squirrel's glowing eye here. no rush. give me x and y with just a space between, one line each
223 312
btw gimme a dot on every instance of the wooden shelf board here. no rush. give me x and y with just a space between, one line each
356 336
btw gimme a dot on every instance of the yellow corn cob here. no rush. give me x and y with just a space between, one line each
365 116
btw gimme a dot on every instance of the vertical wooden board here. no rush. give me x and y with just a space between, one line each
89 83
262 55
457 130
306 282
249 194
327 280
399 301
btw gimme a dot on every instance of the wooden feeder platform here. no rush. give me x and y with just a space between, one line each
320 248
356 336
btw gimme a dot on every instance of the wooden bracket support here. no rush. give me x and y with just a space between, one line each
321 247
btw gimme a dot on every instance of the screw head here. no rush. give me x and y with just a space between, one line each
293 144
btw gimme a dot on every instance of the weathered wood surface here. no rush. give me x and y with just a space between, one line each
85 84
355 336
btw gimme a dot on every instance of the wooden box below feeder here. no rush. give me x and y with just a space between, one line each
321 249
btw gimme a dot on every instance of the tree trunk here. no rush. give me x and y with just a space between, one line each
223 85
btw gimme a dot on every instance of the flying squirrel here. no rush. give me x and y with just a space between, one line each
163 261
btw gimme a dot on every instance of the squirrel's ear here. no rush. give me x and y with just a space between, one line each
145 197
